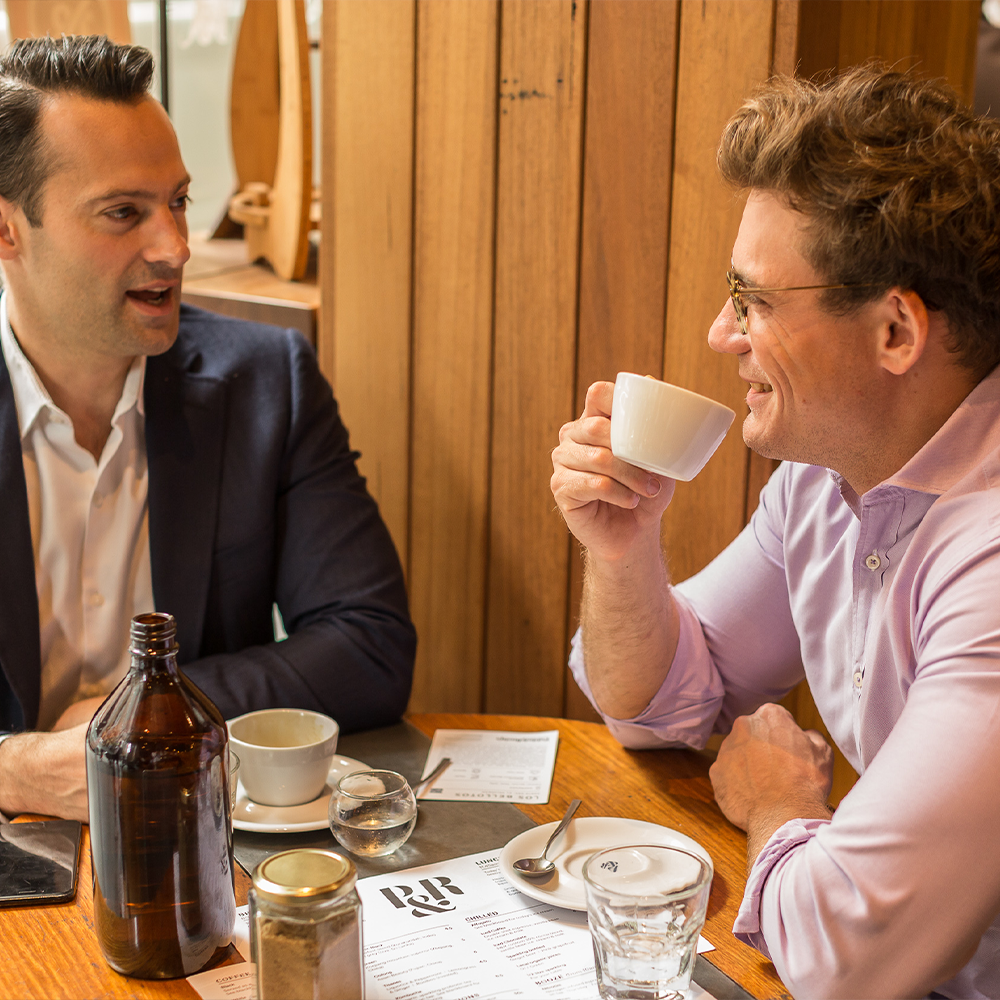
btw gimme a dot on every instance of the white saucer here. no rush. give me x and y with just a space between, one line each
249 815
583 837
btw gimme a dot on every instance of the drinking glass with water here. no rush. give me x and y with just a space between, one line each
646 907
372 813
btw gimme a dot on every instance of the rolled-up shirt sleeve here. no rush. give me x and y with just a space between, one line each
683 711
748 921
737 646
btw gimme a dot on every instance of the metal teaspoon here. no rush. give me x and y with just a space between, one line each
534 867
442 764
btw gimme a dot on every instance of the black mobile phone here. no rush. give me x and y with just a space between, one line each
39 862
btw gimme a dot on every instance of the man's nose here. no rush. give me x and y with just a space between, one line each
168 244
725 334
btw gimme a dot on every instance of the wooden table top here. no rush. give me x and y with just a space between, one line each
669 787
52 952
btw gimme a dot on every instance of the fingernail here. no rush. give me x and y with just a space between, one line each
635 499
653 487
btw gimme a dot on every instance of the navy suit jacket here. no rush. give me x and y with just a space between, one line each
254 499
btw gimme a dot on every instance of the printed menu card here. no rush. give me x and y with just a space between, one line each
492 766
455 930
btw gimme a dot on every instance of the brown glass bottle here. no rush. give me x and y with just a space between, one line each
160 836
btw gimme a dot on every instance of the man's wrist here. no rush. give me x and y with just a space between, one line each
765 820
5 811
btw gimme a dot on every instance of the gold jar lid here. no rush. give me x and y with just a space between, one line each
304 875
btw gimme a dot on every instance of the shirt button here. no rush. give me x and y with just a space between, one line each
873 562
96 599
98 499
858 679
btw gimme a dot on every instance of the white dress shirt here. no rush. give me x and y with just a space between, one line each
89 534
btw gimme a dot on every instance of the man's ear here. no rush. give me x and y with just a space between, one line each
904 331
11 223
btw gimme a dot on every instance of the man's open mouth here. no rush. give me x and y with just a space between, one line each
760 387
154 296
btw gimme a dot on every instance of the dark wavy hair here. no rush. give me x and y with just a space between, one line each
900 184
32 68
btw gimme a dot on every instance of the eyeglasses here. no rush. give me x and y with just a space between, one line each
737 288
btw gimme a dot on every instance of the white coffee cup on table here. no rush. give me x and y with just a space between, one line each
663 428
285 754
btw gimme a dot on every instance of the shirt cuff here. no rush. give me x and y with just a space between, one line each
777 850
683 712
3 817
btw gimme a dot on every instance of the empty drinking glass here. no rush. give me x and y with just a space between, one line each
646 907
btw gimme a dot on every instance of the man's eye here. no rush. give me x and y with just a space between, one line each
122 212
180 204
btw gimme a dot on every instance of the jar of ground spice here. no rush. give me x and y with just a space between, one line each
305 927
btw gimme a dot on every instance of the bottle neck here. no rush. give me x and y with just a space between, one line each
157 663
153 643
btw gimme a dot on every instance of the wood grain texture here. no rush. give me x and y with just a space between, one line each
817 37
957 24
708 513
936 38
628 154
51 952
253 100
785 46
538 221
452 346
859 37
669 787
36 18
365 269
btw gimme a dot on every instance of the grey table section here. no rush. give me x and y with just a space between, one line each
444 830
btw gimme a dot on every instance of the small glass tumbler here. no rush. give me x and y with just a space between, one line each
372 813
646 907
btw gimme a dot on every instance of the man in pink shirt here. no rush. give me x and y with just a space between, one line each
864 313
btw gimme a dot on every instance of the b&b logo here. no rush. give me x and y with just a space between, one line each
431 900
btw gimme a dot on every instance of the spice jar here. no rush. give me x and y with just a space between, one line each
305 927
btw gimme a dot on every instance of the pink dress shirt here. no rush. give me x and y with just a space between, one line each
889 604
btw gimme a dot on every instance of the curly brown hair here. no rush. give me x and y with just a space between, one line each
900 183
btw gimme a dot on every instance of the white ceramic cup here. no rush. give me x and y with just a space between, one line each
285 754
663 428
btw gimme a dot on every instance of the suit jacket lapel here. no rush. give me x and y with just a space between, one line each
185 421
20 644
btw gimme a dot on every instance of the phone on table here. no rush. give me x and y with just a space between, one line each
39 862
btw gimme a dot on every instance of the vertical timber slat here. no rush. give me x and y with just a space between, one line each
452 338
707 513
538 221
628 149
368 52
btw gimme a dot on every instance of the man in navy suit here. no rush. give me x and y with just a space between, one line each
154 455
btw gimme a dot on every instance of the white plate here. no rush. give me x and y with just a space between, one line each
583 837
249 815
